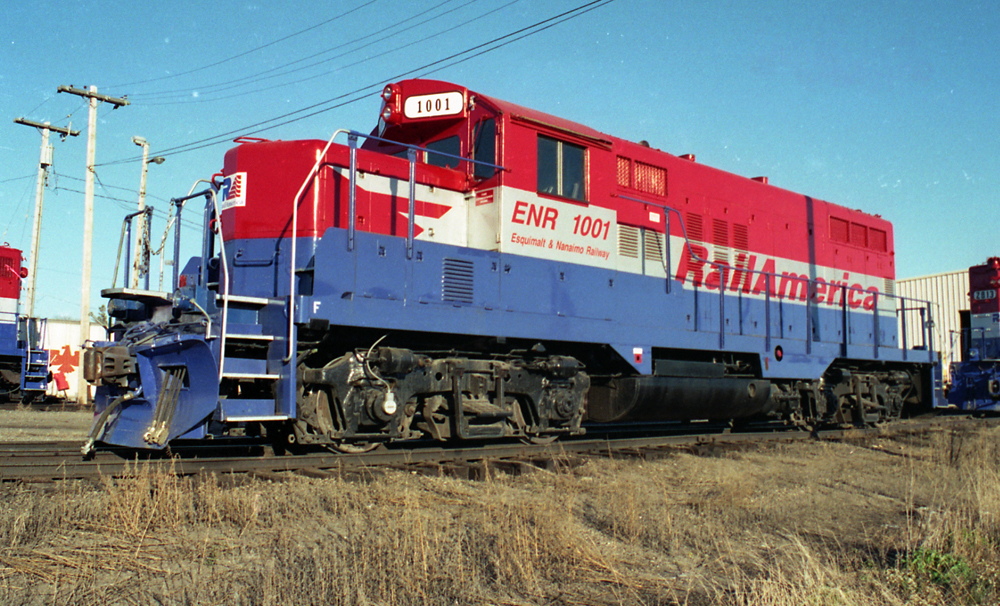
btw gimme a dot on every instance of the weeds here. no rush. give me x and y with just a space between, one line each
819 524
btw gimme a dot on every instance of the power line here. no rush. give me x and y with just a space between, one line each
123 203
362 92
260 76
127 205
244 53
342 67
16 178
119 187
47 99
17 209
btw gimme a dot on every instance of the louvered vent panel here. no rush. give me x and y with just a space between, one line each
650 179
654 246
720 237
457 281
838 230
890 286
741 237
695 227
628 241
624 171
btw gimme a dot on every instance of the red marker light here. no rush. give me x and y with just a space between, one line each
24 272
778 353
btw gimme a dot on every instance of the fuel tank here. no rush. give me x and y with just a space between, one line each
660 398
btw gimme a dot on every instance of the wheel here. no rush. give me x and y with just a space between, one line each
542 440
355 447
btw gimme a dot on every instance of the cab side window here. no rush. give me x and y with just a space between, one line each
561 168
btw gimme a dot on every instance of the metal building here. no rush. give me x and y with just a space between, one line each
949 297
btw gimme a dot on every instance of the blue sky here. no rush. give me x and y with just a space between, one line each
888 107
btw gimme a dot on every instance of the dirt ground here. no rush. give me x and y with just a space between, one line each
21 424
912 520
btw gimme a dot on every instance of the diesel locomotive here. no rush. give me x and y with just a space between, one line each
24 364
975 380
473 269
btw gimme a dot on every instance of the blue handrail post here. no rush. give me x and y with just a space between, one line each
411 154
666 222
767 312
352 142
876 323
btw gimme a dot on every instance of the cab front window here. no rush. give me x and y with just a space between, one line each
448 145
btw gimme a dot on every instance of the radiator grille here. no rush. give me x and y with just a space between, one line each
877 240
457 281
839 230
650 179
624 171
859 234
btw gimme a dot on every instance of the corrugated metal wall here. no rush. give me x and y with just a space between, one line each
948 294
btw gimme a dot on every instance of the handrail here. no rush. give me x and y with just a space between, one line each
213 202
411 155
126 237
811 285
295 230
178 203
352 141
209 228
972 334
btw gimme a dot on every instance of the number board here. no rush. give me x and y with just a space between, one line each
433 106
984 295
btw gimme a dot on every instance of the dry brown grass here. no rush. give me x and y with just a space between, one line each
815 523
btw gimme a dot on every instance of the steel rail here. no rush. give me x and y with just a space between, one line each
48 461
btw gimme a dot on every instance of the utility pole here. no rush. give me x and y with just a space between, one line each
43 167
142 256
83 392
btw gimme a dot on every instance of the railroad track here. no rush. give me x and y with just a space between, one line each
50 461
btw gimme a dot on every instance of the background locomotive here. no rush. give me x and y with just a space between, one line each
975 380
474 269
24 365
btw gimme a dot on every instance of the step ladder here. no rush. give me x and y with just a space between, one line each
34 373
252 362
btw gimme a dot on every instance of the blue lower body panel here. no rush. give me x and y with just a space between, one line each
456 290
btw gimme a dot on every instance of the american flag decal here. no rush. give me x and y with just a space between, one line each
236 190
233 190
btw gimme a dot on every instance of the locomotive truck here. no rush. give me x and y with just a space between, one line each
473 269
